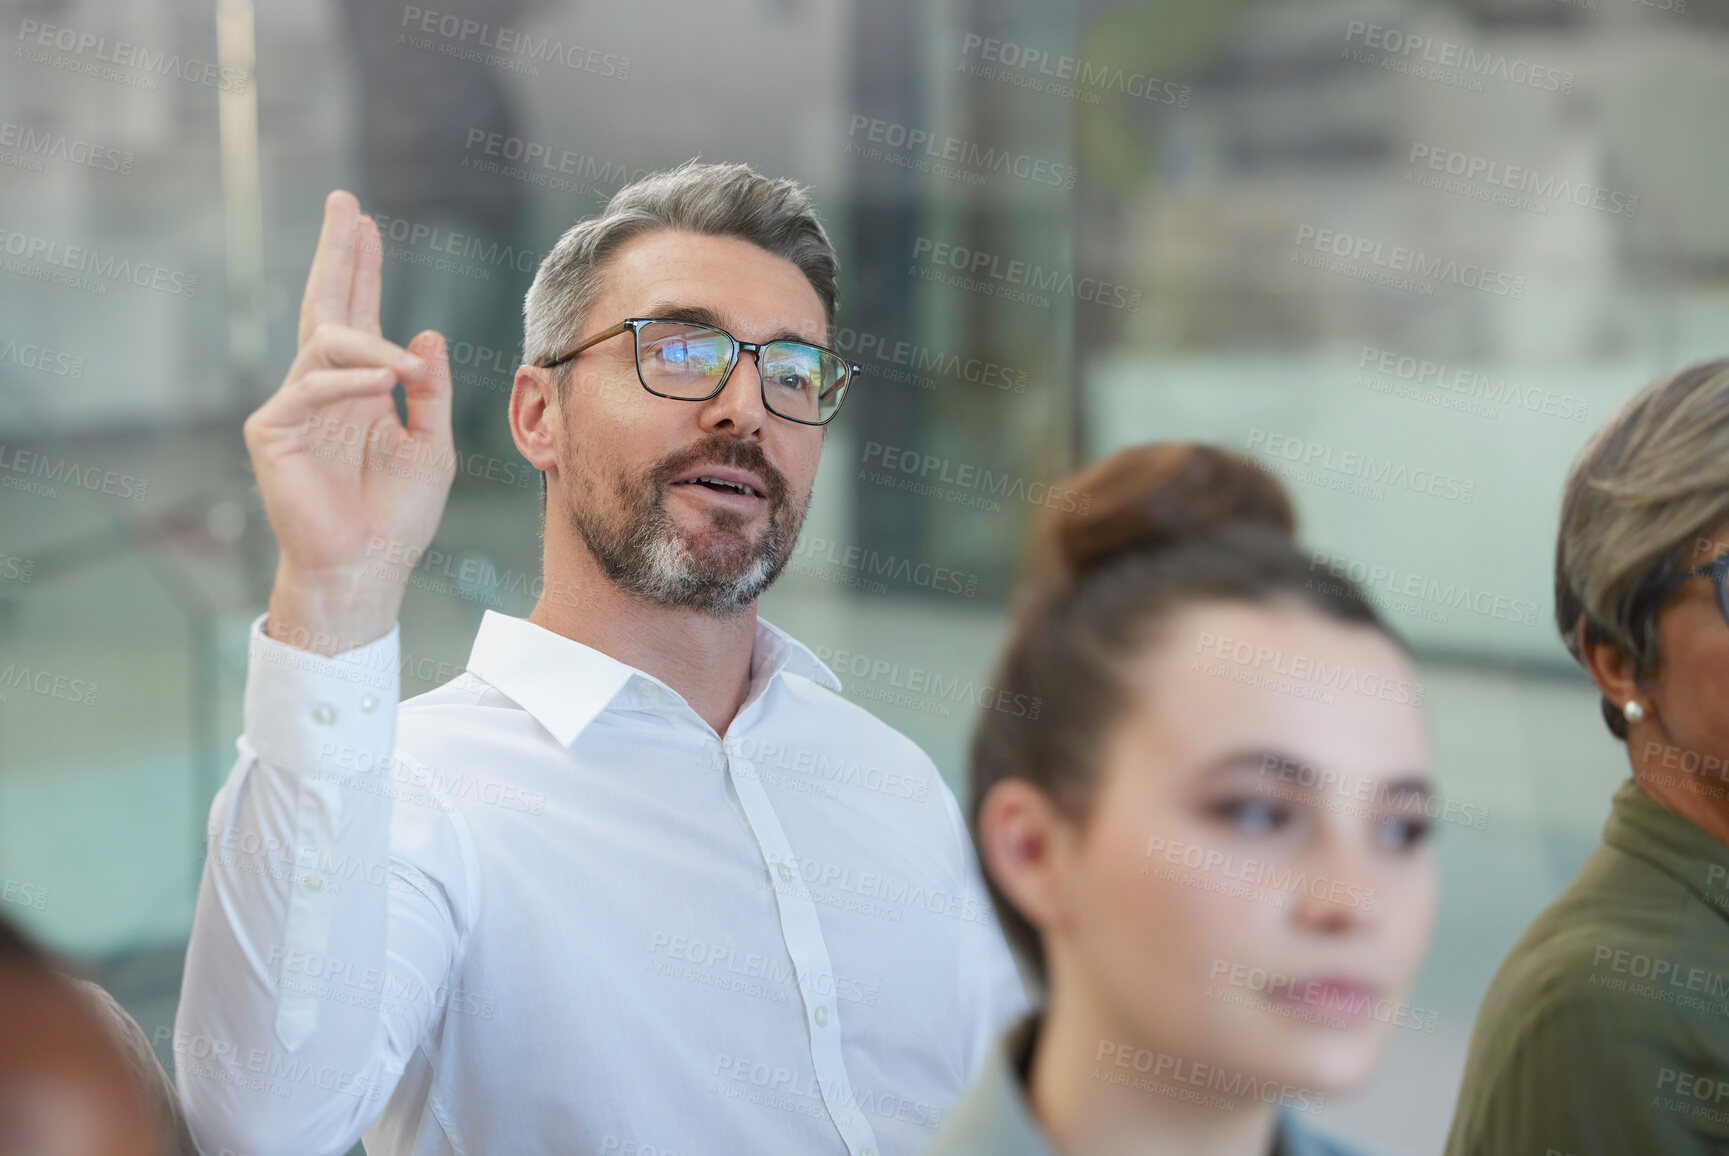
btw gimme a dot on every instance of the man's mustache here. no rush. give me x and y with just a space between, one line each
722 450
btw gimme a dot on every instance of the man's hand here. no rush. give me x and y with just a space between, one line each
353 496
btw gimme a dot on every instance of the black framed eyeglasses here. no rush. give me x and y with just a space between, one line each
1717 570
688 361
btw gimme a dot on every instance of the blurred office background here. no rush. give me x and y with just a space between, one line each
1410 253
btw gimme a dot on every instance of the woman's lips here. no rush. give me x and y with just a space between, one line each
1340 997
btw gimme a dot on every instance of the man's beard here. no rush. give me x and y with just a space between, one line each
715 570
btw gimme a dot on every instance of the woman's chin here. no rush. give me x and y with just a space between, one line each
1335 1062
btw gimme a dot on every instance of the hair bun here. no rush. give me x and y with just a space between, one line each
1154 497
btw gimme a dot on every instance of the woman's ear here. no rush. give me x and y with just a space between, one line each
1024 843
1608 666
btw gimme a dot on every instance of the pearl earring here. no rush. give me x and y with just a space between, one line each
1633 712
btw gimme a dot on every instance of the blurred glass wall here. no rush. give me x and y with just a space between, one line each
1409 254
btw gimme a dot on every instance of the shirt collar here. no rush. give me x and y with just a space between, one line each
564 684
778 652
1645 828
995 1117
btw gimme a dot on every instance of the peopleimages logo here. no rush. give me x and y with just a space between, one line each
1470 167
418 234
924 365
919 147
1395 48
341 981
516 50
1015 279
768 1086
1696 1096
1330 790
33 472
544 164
1422 374
51 145
1236 1086
222 1060
778 973
1281 882
1375 577
916 464
1041 71
124 54
1327 1000
1307 668
23 894
923 681
1362 471
1396 259
872 564
31 356
83 259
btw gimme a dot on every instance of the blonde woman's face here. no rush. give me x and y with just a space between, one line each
1253 888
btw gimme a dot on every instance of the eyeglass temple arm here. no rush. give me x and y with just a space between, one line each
595 340
1707 570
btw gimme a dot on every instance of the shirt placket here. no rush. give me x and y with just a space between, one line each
808 949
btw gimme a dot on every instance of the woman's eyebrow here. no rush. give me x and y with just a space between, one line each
1415 784
1305 773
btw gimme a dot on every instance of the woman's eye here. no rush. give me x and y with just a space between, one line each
1401 834
1253 816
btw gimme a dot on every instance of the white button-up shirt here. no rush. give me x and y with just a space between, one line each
545 908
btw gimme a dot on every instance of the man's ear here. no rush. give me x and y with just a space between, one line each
1023 843
1609 666
533 414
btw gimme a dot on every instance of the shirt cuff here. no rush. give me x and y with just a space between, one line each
307 711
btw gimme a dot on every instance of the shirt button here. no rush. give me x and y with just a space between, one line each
821 1016
785 873
368 701
650 689
314 883
323 714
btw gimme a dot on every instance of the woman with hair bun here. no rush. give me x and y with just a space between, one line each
1209 845
1606 1029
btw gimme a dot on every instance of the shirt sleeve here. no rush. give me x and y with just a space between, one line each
1595 1076
327 915
990 985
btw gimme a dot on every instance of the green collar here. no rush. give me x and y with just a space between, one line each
1644 828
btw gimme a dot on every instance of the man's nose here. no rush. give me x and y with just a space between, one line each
738 405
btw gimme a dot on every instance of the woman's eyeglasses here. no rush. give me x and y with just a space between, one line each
1717 570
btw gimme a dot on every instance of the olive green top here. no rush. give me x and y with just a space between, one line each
1606 1029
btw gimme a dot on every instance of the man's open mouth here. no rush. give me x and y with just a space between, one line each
720 484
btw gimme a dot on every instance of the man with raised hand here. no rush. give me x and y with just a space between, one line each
638 880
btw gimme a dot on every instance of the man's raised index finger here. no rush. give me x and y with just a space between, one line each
329 285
